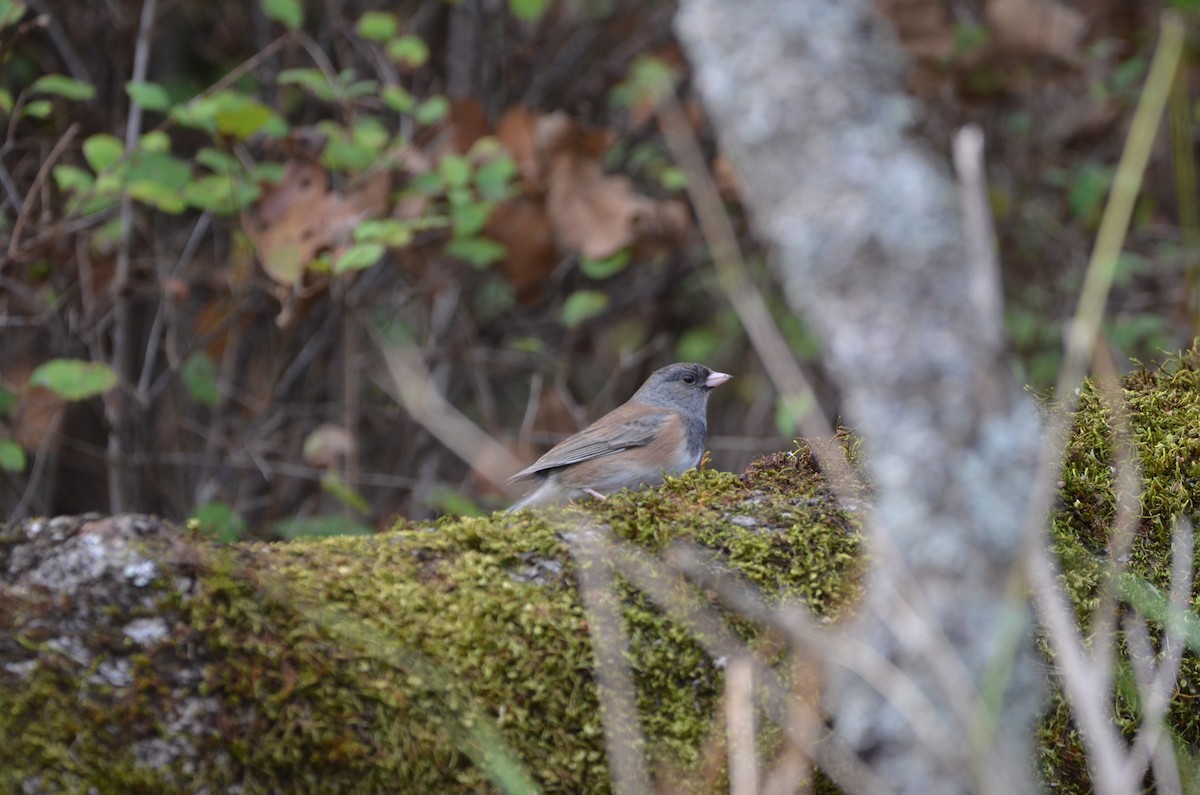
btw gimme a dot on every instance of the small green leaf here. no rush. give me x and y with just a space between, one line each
8 401
377 25
359 257
74 379
397 99
102 150
218 521
672 178
63 86
6 101
408 51
223 194
288 13
155 141
649 80
333 484
150 96
10 12
478 251
432 110
494 178
605 268
199 374
73 179
38 109
312 80
528 10
583 305
468 220
12 457
456 170
388 231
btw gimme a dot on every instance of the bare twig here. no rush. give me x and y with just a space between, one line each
27 206
618 699
118 405
979 233
740 728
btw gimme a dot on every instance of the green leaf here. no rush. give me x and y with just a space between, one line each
8 401
583 305
73 179
199 374
6 101
388 231
63 86
217 161
432 110
672 178
494 178
223 194
359 257
102 150
10 12
468 220
333 484
377 25
38 109
12 457
150 96
397 99
478 251
218 521
288 13
74 379
649 80
155 141
607 267
528 10
408 51
243 120
456 170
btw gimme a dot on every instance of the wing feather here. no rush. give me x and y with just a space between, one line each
622 428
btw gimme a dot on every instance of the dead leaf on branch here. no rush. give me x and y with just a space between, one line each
302 217
1039 27
591 211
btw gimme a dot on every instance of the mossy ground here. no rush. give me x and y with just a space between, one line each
426 658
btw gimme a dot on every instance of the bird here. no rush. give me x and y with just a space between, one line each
659 431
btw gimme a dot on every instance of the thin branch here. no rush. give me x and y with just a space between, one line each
623 738
27 206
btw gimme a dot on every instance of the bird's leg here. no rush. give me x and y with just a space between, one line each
595 494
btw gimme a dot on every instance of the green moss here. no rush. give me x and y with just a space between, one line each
1163 411
429 658
418 658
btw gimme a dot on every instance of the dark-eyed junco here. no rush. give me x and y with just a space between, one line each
660 431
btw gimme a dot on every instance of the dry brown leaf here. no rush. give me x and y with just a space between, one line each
1040 27
301 217
589 210
521 226
515 133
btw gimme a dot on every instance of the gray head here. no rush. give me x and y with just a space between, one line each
683 385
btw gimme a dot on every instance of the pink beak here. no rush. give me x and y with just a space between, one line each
716 379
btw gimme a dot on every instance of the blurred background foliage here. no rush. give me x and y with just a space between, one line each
216 218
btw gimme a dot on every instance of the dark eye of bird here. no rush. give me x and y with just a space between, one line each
688 378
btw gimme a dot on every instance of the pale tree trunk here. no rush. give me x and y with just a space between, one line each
807 98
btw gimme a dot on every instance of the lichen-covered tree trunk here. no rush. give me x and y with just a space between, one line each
807 99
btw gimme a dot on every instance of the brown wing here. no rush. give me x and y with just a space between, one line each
622 428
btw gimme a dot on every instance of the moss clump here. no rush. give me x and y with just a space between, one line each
1162 407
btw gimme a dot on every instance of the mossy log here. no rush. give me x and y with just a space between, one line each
136 657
